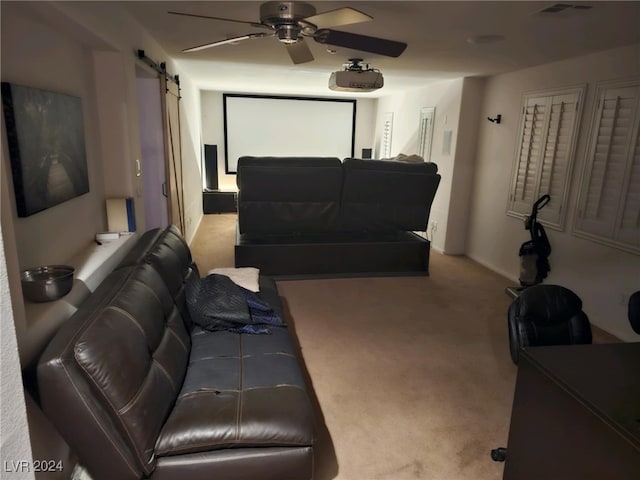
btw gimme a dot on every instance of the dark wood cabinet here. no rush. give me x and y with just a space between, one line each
219 202
576 414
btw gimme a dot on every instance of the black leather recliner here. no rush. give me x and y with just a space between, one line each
321 216
546 315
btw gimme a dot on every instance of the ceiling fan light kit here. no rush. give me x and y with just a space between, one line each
290 22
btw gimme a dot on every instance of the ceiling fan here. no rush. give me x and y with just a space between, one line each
290 22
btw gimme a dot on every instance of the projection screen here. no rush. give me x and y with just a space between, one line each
263 126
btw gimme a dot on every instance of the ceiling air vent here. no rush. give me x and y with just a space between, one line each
564 7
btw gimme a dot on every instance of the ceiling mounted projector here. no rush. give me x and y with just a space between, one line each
356 78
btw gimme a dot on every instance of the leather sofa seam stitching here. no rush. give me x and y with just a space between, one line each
126 460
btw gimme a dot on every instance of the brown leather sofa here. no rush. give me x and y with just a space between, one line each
138 391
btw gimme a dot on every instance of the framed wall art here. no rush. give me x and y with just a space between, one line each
45 136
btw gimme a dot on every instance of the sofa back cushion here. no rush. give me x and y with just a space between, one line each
141 247
165 250
380 195
171 258
110 376
288 194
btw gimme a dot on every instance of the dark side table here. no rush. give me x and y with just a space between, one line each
218 201
576 414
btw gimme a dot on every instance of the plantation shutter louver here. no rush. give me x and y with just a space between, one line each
427 115
525 190
629 229
609 204
545 154
387 133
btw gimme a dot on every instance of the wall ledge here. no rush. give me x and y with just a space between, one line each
92 266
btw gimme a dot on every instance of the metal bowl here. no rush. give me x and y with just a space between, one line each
44 284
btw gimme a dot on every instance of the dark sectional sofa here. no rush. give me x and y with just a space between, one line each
139 391
319 215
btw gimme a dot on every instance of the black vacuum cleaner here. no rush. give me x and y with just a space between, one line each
534 253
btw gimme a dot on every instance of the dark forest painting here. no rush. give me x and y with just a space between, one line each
45 135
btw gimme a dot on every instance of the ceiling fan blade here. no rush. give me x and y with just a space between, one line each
340 16
226 41
253 24
299 52
381 46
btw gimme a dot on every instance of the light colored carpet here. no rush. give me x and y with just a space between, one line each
212 245
411 376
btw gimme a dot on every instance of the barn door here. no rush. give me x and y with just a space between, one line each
173 152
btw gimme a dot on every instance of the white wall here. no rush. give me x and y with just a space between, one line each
84 49
44 238
109 22
31 51
14 441
464 165
455 167
602 276
192 154
213 130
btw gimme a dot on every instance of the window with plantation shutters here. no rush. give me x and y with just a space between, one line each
544 154
609 200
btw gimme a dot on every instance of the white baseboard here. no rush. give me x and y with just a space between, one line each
495 269
437 249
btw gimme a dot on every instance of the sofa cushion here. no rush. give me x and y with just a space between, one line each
240 391
380 195
288 194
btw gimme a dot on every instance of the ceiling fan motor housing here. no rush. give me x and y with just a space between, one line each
276 13
287 18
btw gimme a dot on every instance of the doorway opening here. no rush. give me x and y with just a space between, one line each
152 144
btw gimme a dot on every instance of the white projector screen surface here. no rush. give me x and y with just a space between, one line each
262 126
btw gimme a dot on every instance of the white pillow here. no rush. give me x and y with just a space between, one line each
246 277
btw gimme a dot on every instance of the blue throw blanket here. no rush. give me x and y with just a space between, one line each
216 303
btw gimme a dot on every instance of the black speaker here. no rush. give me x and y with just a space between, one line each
211 166
366 153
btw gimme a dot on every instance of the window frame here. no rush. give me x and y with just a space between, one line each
559 222
633 143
